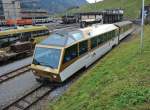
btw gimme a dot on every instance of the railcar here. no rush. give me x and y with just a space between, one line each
125 28
19 22
65 52
42 21
70 19
10 36
2 23
16 51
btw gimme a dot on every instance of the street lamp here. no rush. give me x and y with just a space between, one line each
142 27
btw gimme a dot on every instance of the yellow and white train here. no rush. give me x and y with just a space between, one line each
65 52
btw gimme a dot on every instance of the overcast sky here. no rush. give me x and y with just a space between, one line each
93 1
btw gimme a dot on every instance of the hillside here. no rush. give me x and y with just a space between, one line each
53 6
57 6
131 7
120 81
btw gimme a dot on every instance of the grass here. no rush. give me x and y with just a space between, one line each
131 7
120 81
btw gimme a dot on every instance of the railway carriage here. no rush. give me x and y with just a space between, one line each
125 28
65 52
10 36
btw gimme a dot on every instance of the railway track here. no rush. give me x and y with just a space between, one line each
29 99
7 76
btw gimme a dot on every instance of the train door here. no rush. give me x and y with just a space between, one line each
89 58
93 53
114 36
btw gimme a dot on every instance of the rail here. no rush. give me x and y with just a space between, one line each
17 72
30 98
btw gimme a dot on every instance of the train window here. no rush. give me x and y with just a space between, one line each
48 57
93 42
77 36
113 34
16 37
99 39
26 36
108 36
71 53
104 38
57 39
33 34
4 42
83 47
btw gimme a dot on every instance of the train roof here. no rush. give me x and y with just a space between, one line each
122 23
21 30
65 38
95 30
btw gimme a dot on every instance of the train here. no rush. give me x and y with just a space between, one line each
22 22
16 51
146 14
65 52
69 19
10 36
19 42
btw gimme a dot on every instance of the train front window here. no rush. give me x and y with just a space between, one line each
48 57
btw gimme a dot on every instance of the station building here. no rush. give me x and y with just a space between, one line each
10 9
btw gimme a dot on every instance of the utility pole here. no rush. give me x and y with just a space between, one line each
95 5
142 27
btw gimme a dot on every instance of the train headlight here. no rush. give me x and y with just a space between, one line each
54 76
34 71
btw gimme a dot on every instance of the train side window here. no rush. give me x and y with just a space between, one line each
105 38
99 40
114 33
83 47
109 36
71 53
102 38
93 42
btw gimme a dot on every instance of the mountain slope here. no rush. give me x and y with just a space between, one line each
55 6
131 7
52 6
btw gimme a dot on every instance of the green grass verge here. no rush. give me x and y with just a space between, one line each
120 81
131 7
